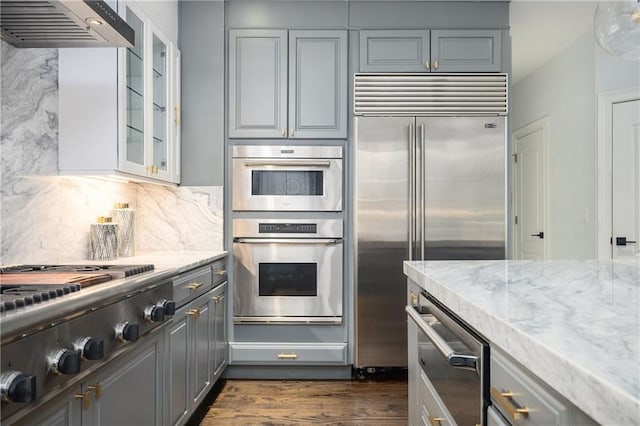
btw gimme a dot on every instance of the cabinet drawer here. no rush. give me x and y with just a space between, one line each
219 269
513 388
297 353
432 409
189 285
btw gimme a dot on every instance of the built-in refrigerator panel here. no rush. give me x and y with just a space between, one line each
427 188
382 223
462 172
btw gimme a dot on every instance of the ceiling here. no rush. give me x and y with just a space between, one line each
542 29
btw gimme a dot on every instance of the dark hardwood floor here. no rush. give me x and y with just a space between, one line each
301 402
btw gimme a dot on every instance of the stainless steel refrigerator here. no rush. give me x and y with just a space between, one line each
426 188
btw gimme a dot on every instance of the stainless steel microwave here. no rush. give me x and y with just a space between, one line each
287 178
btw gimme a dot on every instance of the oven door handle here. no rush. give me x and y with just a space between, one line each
288 163
326 241
462 361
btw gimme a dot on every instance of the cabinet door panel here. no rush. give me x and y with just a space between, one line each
135 95
219 336
465 50
257 83
65 410
201 347
317 84
131 389
177 363
394 50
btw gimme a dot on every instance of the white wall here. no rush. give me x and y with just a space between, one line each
563 89
566 89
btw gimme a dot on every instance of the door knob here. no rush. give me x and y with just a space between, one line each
622 241
539 235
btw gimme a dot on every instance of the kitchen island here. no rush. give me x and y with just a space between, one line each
573 324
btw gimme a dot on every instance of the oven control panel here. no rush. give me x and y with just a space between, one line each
288 228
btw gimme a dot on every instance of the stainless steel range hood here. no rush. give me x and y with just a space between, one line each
63 23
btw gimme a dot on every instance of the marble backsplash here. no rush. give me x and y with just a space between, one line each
45 218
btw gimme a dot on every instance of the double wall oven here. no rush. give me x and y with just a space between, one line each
287 241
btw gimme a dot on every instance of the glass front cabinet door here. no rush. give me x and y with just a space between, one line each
151 123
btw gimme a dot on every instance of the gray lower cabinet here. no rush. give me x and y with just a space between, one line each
430 50
519 397
288 84
128 391
197 352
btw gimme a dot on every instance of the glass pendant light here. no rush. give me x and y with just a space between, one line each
617 28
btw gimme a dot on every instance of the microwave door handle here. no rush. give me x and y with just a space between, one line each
327 241
288 163
461 361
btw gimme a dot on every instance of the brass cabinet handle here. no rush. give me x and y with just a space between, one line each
503 399
435 64
97 388
435 421
283 355
194 286
426 65
86 400
194 312
291 132
154 169
178 118
217 299
220 272
283 131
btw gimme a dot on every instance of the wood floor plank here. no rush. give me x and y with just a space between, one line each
301 402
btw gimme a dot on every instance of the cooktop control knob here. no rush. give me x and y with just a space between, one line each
17 387
91 348
154 313
65 361
126 332
168 306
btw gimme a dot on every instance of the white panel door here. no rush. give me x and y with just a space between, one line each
529 191
625 179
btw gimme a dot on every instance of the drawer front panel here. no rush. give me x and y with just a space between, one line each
190 285
265 354
520 391
219 269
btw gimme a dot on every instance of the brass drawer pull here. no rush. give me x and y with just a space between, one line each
220 272
194 312
194 286
435 421
86 399
97 388
292 355
217 299
503 399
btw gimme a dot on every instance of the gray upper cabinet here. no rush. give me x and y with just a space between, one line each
430 50
397 50
317 84
465 50
288 84
257 83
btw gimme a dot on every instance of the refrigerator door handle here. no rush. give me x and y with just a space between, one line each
412 178
423 212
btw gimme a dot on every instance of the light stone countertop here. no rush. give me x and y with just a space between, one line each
31 319
575 324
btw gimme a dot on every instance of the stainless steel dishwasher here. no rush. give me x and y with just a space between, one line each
450 371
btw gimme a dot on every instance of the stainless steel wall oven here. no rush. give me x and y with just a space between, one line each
287 178
453 360
287 271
